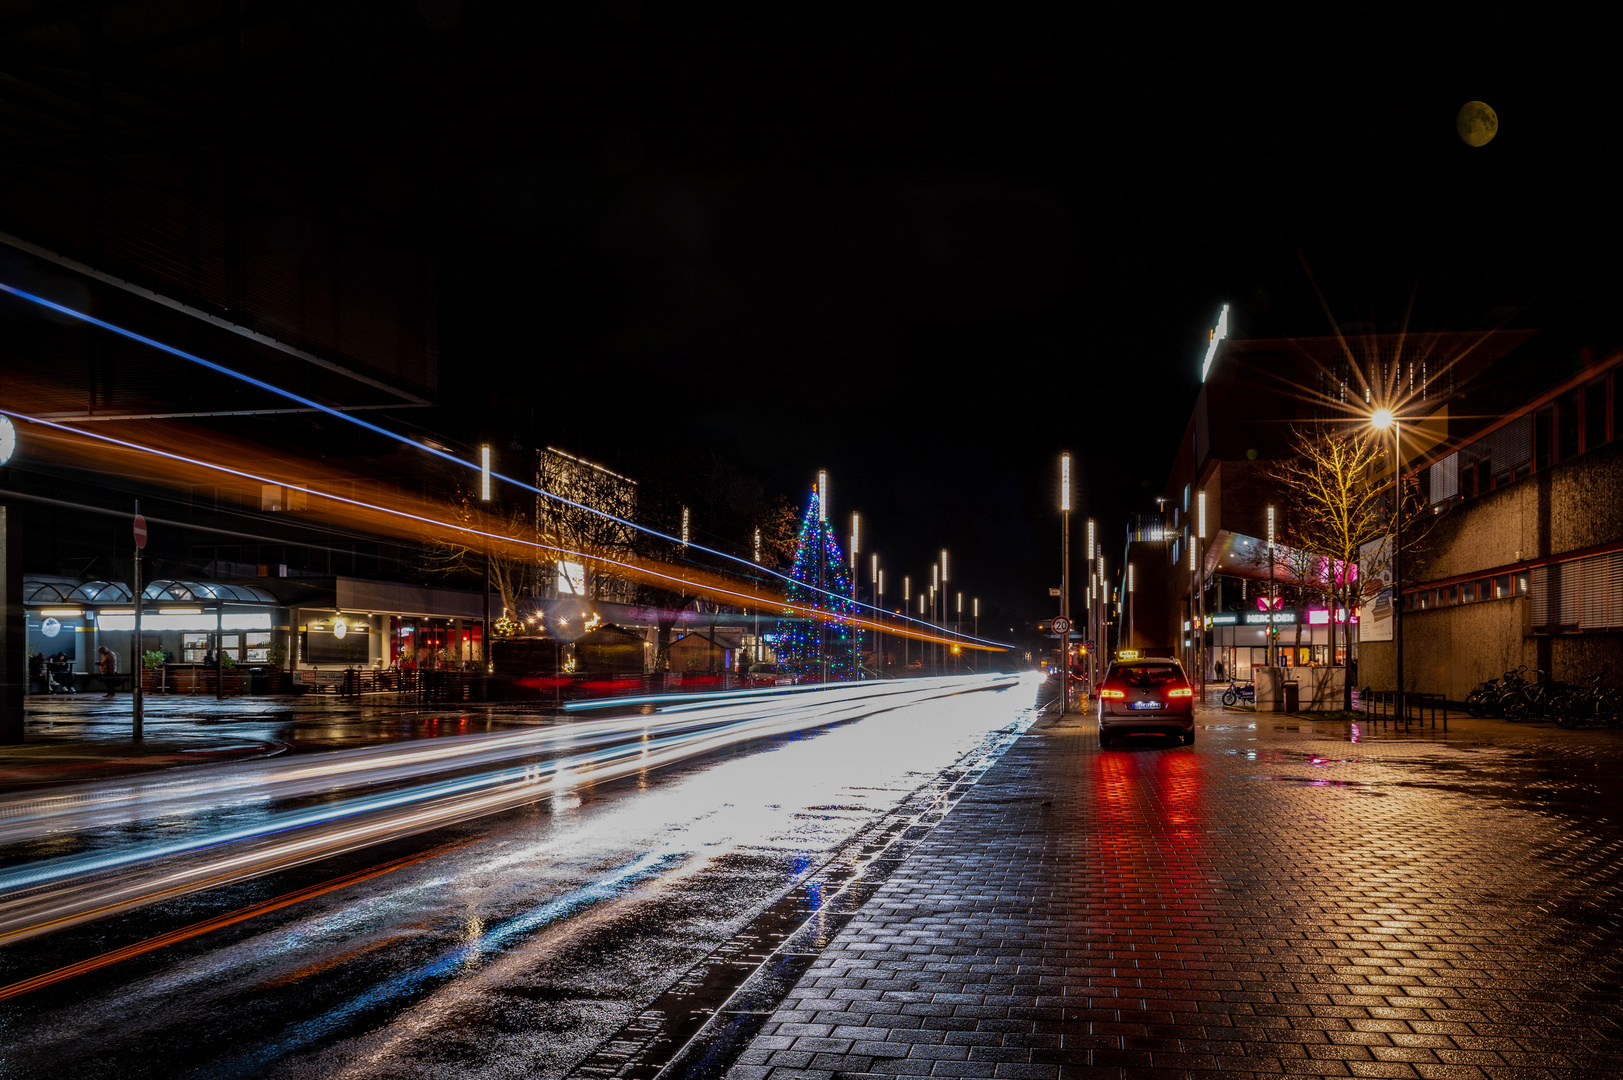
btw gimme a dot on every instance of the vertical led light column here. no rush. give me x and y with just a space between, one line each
487 637
1200 581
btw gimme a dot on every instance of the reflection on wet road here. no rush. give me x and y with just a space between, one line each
465 906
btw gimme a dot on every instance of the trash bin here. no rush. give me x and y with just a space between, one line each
257 681
1293 695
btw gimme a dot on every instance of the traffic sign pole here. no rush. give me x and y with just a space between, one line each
1062 627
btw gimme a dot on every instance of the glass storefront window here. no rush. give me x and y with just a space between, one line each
258 645
193 647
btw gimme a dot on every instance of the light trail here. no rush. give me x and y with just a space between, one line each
449 962
220 922
646 571
446 455
54 893
94 804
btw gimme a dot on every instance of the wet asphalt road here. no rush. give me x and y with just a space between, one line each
487 905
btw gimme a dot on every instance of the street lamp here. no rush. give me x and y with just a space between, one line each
760 656
1200 579
935 583
484 497
977 616
1093 611
1273 635
856 629
907 605
1380 420
879 610
1065 582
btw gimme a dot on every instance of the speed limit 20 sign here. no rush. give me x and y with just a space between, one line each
1062 626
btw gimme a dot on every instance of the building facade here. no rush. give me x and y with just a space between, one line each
1524 565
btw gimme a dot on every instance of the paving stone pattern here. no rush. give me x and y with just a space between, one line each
1274 900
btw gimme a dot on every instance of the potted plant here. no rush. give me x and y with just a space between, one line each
152 661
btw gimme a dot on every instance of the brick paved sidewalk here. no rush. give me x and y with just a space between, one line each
1274 900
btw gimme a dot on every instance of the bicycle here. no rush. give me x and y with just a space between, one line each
1526 700
1592 706
1481 701
1238 692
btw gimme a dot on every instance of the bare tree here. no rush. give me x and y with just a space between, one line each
1339 504
505 534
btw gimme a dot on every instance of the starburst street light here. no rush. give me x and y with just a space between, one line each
1380 420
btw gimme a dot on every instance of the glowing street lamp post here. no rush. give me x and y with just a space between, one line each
873 593
1273 633
958 631
485 635
1093 611
941 612
1200 580
935 585
856 630
1381 420
879 609
1065 582
822 572
907 605
760 657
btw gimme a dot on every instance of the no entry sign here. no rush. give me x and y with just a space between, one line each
140 531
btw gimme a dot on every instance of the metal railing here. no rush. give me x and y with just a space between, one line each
1392 707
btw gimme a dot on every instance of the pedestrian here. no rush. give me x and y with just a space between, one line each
37 674
107 664
59 675
1217 668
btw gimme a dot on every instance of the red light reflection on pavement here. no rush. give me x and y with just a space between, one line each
1150 870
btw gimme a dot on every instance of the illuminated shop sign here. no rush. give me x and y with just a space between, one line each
1263 617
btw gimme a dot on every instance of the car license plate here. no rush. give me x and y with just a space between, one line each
1146 704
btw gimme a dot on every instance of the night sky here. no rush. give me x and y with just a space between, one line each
927 250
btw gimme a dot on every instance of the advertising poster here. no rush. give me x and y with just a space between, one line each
1375 565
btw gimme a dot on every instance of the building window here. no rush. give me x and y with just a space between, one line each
1581 594
1501 587
1569 414
1595 414
1617 402
1544 437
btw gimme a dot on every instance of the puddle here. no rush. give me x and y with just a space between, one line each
1322 782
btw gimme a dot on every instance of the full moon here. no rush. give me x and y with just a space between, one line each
1476 123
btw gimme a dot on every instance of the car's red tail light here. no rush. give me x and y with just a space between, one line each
1182 692
1112 694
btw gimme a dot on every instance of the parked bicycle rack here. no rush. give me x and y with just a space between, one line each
1385 707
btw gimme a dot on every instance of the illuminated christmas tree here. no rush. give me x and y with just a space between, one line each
811 647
